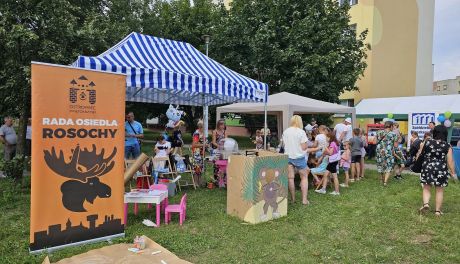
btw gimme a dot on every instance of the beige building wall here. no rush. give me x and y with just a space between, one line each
401 38
443 87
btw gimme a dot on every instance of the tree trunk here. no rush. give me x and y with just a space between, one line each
22 130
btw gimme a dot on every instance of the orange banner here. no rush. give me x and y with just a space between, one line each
77 155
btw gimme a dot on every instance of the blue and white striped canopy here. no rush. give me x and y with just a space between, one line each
173 72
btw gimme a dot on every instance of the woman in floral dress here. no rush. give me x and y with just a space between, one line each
386 143
437 162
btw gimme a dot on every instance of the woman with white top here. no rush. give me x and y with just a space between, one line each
295 144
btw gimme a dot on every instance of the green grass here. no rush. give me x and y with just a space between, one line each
233 122
366 224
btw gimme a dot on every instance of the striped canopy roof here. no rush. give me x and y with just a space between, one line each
173 72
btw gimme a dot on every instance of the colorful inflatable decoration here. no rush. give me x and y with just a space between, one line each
390 115
441 118
448 114
447 123
174 115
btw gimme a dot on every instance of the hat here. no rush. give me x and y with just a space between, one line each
309 127
348 120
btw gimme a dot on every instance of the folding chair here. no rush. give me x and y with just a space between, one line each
163 162
183 181
141 180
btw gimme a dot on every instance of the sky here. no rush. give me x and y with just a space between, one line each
446 42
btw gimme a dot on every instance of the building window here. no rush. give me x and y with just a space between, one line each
439 88
347 102
444 87
350 2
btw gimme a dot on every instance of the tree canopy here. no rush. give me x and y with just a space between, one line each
305 47
302 46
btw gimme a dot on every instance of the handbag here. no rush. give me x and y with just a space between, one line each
417 166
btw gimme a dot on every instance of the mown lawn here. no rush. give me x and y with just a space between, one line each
366 224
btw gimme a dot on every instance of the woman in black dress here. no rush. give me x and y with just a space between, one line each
437 162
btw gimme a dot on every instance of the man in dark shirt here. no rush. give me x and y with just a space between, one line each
415 142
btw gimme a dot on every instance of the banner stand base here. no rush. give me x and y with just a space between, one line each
90 241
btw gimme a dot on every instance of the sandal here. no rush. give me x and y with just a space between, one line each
425 208
385 184
438 213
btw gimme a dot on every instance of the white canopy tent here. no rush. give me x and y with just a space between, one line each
284 105
400 107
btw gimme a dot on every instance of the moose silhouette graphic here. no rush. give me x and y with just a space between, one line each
84 168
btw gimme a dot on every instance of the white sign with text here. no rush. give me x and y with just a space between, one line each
419 122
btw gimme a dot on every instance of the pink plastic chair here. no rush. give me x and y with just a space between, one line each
177 208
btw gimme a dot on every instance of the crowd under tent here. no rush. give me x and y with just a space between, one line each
164 71
284 105
401 107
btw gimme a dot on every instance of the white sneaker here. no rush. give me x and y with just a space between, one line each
343 185
334 193
321 191
263 217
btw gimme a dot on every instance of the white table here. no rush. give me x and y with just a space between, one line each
148 197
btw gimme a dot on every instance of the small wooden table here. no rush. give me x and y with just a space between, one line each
148 197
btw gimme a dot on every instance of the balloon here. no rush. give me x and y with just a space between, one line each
448 114
390 115
361 120
441 118
447 123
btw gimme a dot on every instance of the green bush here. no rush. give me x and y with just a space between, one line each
13 168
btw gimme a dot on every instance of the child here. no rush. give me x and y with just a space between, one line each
331 169
162 147
319 170
345 162
177 141
356 145
400 160
259 140
320 141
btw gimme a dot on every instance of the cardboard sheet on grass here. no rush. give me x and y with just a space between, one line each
257 186
119 254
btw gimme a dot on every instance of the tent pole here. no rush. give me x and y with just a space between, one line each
265 124
205 133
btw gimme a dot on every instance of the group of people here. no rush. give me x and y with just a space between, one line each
200 145
322 151
170 143
434 154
